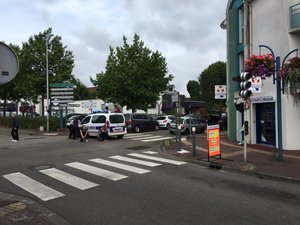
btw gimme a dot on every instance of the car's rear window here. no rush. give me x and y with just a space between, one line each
116 119
161 118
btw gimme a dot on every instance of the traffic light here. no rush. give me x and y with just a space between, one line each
245 85
246 127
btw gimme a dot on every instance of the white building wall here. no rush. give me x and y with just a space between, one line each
270 26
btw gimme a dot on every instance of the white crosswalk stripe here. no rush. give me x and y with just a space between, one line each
136 161
46 193
97 171
146 137
69 179
174 162
38 189
157 139
150 152
120 166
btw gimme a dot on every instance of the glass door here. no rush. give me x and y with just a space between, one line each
265 123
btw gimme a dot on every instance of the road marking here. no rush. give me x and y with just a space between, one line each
144 137
96 171
120 166
136 161
157 159
157 139
150 152
137 136
39 190
69 179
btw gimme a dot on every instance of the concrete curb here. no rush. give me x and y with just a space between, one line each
219 166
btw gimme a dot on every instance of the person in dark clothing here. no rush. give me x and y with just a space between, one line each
75 132
15 128
84 134
103 132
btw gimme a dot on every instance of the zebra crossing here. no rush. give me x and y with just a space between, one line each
46 193
146 137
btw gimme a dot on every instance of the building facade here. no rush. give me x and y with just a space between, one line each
259 28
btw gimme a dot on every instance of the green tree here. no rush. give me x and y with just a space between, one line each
32 69
193 87
214 74
134 76
80 92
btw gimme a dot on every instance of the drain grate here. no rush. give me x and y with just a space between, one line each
141 147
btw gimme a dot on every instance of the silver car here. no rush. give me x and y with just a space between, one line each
186 123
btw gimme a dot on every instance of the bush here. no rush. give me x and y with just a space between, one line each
32 123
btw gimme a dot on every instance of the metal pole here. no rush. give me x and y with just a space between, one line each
245 136
47 83
194 141
179 137
279 115
190 128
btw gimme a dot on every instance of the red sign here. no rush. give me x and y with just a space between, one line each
213 138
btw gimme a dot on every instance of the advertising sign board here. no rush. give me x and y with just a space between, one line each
213 138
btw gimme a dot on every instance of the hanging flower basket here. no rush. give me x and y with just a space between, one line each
260 66
290 75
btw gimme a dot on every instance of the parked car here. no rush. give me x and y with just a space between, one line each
186 123
79 117
223 122
164 121
95 121
137 122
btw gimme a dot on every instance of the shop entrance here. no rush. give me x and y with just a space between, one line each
265 123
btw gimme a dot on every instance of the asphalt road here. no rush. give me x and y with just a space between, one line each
172 192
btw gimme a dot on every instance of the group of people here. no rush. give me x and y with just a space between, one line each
83 132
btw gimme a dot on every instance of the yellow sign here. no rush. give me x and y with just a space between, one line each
213 138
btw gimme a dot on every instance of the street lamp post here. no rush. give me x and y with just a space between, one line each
277 78
47 83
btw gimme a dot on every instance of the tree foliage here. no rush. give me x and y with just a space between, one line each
33 66
134 76
30 81
81 91
193 87
214 74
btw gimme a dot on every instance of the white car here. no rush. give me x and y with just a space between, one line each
164 121
95 121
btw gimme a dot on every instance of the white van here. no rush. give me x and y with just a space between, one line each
95 121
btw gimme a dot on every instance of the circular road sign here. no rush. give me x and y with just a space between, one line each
9 64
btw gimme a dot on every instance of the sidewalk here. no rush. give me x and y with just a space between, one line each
261 160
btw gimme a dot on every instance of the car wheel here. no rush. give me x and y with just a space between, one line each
120 136
168 126
171 132
136 129
156 127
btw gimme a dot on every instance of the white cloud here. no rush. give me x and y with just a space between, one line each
187 33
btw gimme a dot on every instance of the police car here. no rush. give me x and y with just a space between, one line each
95 121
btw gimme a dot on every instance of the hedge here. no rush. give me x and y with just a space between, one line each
32 122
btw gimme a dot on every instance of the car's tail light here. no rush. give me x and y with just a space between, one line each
164 121
128 122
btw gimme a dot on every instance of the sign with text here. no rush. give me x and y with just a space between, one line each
62 93
213 138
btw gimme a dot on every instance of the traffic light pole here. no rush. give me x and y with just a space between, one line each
245 135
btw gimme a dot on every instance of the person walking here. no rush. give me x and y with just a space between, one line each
15 128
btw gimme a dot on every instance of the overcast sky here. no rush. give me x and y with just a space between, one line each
186 32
